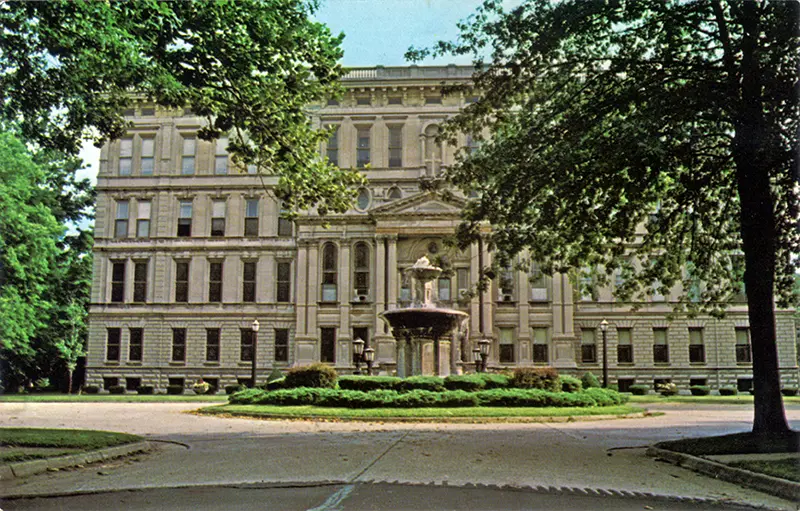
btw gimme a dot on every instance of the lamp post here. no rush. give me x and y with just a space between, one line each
476 356
483 345
254 328
369 356
358 349
604 328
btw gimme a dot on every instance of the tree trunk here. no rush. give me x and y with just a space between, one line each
69 380
751 155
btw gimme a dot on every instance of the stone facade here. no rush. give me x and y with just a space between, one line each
190 250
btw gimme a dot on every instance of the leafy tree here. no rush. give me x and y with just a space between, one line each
251 67
607 116
28 249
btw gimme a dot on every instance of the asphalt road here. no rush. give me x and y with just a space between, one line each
580 457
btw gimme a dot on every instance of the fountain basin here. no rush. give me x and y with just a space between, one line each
424 322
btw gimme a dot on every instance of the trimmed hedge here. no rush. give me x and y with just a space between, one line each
700 390
429 383
315 376
175 390
116 389
728 391
496 381
466 382
368 383
423 398
280 383
789 391
542 378
91 389
590 381
230 389
145 390
639 390
570 384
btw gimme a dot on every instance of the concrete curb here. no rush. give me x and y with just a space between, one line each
771 485
28 468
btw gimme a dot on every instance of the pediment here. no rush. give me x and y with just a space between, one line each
426 203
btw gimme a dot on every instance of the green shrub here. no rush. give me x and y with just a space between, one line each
230 389
275 374
315 376
590 381
245 396
358 399
91 389
532 398
542 378
728 391
614 387
201 387
789 391
667 389
175 390
605 397
495 381
116 389
639 390
429 383
466 382
145 390
368 383
700 390
295 396
418 398
570 384
280 383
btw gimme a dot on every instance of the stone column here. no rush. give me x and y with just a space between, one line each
313 290
392 269
523 328
301 287
564 342
379 297
345 291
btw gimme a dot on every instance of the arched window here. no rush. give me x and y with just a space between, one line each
395 193
361 271
363 199
330 261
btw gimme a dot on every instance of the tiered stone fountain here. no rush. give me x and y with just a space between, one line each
423 331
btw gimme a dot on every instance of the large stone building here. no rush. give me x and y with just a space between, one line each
190 250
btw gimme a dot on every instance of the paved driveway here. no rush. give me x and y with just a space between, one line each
212 451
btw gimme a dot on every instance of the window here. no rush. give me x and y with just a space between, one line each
215 282
284 282
113 339
333 147
433 100
333 102
148 112
363 100
471 99
395 193
182 281
252 168
540 355
473 144
135 344
361 271
395 100
655 292
588 347
140 281
362 147
660 346
506 338
327 345
697 352
284 224
586 286
132 384
187 158
624 346
744 384
743 352
701 382
246 345
507 284
405 287
444 289
249 281
538 284
118 282
212 344
185 218
251 217
462 276
221 156
121 222
175 382
178 344
110 381
281 345
218 218
329 273
395 146
147 158
125 156
143 219
363 199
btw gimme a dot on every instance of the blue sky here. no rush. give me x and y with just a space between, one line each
377 32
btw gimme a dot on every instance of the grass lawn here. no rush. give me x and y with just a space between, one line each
737 443
787 468
19 444
477 413
741 399
110 398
